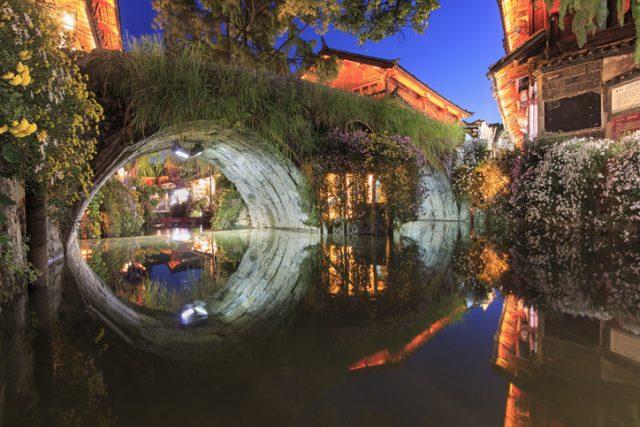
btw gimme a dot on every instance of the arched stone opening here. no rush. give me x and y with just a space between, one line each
260 288
266 180
259 295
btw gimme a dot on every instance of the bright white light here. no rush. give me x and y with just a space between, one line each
182 195
181 153
68 20
188 314
193 312
180 235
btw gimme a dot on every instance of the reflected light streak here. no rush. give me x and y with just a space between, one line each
192 313
384 357
180 235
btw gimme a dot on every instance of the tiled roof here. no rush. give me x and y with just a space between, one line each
383 63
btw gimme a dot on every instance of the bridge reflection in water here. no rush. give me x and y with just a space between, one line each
308 330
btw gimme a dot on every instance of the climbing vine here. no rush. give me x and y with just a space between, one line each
589 15
47 116
351 164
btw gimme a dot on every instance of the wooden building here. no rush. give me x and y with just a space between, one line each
566 370
378 78
547 84
94 24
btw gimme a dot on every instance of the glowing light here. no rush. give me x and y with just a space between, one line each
181 195
68 20
370 189
495 265
180 235
192 313
179 151
86 253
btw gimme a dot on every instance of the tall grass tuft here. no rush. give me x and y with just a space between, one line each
162 90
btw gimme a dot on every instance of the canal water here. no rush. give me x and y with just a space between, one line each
438 326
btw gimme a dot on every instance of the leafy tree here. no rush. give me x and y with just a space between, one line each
273 34
47 115
122 213
47 119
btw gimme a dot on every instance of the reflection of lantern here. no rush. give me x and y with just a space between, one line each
68 20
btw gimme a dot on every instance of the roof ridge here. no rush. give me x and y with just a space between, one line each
390 62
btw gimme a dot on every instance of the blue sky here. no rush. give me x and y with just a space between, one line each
464 37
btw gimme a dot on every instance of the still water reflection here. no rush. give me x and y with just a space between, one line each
169 269
432 328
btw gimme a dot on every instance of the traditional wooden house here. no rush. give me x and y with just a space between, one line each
95 24
547 84
378 78
561 362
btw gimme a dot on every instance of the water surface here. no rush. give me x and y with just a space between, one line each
433 327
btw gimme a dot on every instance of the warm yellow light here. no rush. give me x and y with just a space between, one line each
68 20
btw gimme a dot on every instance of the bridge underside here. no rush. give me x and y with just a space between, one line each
269 185
267 182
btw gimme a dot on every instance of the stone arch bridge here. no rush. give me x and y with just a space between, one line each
266 180
269 183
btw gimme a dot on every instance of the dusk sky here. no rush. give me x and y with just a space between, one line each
463 39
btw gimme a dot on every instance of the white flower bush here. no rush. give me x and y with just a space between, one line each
621 190
578 274
578 182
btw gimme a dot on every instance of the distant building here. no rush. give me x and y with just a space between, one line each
493 135
94 24
479 129
379 78
547 84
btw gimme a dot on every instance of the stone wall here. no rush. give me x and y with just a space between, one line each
440 204
14 229
571 81
56 246
581 76
437 240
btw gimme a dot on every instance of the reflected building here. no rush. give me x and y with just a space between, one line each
386 357
566 370
357 269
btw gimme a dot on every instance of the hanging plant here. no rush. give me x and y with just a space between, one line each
341 173
588 15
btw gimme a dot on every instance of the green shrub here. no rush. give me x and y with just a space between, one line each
122 213
227 211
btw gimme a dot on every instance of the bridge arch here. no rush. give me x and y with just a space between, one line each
259 295
266 180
